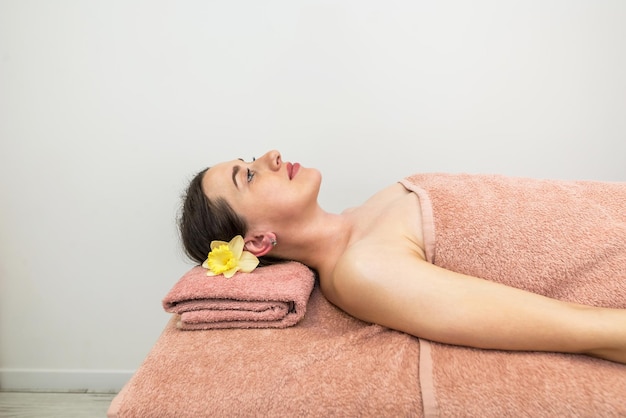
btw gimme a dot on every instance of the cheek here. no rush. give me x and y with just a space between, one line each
298 198
275 203
276 206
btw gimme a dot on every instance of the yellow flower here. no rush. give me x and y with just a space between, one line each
228 258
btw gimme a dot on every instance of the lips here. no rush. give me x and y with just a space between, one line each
292 169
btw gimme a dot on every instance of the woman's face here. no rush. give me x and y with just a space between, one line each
264 191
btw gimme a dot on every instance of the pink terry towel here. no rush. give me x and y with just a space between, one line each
562 239
329 365
269 297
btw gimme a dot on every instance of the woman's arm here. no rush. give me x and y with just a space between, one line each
403 292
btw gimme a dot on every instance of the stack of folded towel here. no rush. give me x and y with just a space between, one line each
269 297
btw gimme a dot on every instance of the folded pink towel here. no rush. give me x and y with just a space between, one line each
270 297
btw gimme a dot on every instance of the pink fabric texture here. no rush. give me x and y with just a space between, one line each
566 240
328 365
274 296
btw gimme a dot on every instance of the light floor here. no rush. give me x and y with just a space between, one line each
54 405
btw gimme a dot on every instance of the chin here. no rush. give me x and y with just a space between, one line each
316 176
311 179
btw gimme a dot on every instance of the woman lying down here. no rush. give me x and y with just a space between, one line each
484 261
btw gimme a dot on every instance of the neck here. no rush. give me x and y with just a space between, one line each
318 243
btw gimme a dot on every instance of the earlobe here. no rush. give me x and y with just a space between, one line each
260 244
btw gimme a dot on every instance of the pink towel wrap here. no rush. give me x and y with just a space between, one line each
269 297
562 239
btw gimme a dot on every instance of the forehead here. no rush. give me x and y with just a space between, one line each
217 180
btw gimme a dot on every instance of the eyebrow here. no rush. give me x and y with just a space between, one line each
236 169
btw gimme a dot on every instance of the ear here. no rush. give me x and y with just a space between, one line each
259 244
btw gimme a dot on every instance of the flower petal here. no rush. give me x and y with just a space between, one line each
215 244
230 273
236 246
248 262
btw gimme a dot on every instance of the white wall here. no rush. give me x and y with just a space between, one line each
107 108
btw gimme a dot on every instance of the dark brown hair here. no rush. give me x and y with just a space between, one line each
203 220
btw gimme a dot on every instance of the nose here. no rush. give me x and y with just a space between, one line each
272 159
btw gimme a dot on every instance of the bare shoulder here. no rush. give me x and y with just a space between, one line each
387 240
353 269
369 276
